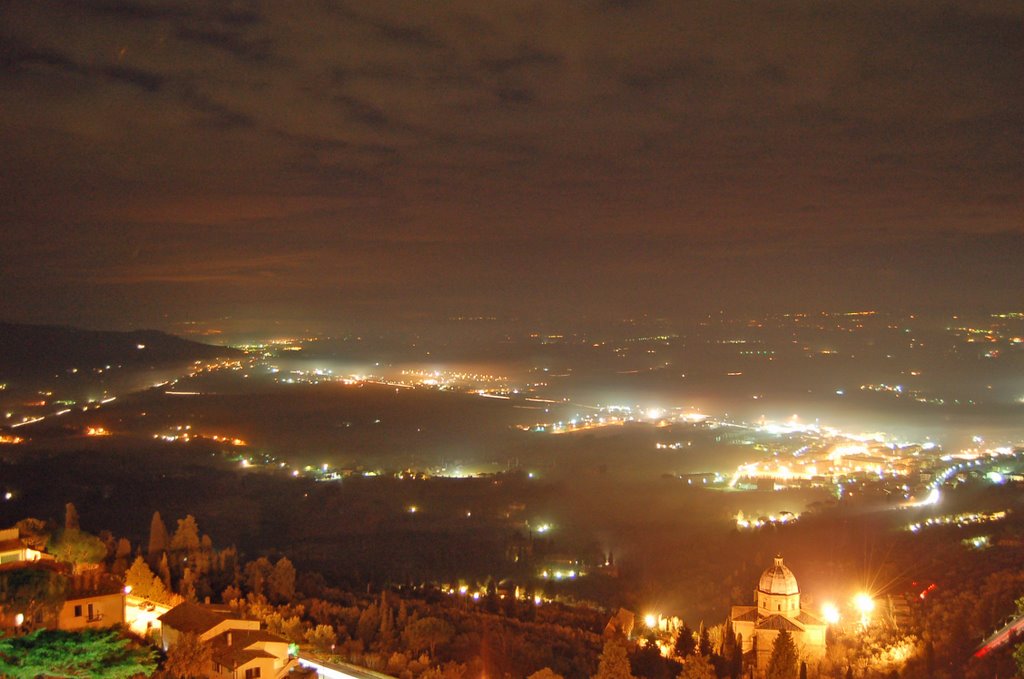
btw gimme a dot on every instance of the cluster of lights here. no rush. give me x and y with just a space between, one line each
771 520
463 590
184 433
959 520
862 602
559 574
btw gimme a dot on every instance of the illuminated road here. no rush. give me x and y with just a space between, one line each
338 670
1000 637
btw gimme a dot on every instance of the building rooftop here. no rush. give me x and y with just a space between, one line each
779 622
778 579
196 618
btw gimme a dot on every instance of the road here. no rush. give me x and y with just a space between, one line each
1000 637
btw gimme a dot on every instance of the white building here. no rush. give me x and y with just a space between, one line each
777 608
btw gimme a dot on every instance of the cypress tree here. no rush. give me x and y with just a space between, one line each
703 641
614 662
157 539
70 518
784 658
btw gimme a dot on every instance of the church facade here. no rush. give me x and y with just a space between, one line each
777 608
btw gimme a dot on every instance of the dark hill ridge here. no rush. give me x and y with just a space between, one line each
32 350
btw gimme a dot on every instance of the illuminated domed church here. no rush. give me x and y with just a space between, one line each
777 608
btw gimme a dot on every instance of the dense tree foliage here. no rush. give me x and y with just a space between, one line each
784 659
189 658
614 661
428 633
686 643
101 654
34 533
144 583
77 547
697 667
32 591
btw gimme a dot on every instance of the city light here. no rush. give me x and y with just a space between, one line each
830 613
651 620
865 605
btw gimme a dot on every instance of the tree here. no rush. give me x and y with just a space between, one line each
450 670
71 522
697 667
122 553
322 637
368 624
102 654
256 575
34 533
736 662
158 540
1018 656
428 633
78 547
188 658
686 644
164 572
545 673
230 593
281 583
783 662
704 641
31 591
185 541
647 661
730 653
614 663
803 670
144 583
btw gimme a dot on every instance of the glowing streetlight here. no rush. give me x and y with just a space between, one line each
651 620
830 613
864 605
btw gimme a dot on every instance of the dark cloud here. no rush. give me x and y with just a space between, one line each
402 154
146 80
523 58
258 49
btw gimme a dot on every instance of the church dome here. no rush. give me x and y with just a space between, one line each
778 580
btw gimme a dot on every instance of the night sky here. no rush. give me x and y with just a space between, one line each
317 162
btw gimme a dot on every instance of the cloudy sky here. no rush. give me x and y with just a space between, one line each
326 160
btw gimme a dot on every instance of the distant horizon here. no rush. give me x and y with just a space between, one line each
228 330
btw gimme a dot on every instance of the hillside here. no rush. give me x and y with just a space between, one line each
38 350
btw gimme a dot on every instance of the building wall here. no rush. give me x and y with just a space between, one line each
107 610
266 666
786 604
